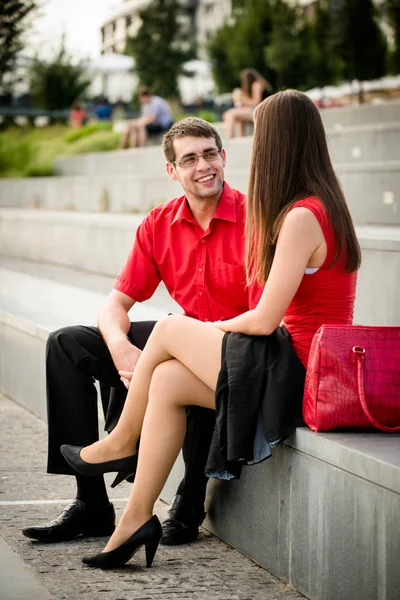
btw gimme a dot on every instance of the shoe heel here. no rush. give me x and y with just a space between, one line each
121 476
151 548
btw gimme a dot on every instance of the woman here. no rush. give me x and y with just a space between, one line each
301 243
254 89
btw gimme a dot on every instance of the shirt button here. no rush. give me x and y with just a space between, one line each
206 319
200 293
203 241
200 270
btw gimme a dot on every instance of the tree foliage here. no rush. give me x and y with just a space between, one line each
276 38
362 45
13 24
161 46
55 85
393 16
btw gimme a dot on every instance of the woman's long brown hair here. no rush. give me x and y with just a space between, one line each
290 161
248 77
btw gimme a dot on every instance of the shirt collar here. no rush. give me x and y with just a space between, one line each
226 209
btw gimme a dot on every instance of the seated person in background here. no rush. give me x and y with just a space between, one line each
77 116
103 110
254 89
156 118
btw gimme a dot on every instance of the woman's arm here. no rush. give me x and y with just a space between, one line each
299 238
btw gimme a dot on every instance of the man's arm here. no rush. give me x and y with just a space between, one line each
114 325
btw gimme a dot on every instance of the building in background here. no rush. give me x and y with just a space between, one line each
125 23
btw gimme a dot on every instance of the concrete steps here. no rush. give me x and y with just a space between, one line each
372 191
375 142
101 243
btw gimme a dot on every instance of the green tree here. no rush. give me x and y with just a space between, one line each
225 74
327 64
362 44
13 24
393 15
161 47
240 45
55 85
284 43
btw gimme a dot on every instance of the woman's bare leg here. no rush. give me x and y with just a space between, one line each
172 388
196 345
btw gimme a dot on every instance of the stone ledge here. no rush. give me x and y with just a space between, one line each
375 457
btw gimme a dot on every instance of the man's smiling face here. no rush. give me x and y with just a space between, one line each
204 180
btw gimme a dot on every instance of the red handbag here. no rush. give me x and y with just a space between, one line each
353 378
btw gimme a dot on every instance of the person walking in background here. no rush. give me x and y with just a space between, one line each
302 247
156 118
254 89
183 243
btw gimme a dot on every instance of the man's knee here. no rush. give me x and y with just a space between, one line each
68 337
57 337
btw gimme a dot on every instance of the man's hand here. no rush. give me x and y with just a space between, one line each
126 377
125 356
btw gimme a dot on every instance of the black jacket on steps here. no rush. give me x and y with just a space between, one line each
261 382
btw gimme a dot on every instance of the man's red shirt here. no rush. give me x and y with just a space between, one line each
202 270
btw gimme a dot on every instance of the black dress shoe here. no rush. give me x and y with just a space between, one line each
181 526
76 519
148 535
125 466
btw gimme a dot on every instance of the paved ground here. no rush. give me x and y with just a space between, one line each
203 570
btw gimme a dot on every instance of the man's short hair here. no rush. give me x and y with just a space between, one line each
191 126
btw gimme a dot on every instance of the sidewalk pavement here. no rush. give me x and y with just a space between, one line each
203 570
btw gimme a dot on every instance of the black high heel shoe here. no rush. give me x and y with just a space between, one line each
148 535
125 466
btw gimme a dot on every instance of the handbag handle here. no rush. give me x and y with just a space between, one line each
359 353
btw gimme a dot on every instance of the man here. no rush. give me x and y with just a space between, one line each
195 245
156 118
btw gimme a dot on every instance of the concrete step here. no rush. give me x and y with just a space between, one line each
31 307
322 514
95 193
361 115
344 117
351 143
372 191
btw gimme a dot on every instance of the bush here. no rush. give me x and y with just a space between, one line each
102 141
15 154
39 170
77 134
207 115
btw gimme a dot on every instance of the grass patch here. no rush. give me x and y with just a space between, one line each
77 134
30 152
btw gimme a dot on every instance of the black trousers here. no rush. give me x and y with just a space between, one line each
77 356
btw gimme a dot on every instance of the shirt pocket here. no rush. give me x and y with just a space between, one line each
231 278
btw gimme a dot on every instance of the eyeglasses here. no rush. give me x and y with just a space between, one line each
193 159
